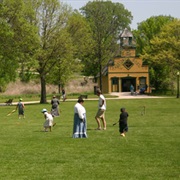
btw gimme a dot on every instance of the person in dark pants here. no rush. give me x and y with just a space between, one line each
63 95
123 126
55 107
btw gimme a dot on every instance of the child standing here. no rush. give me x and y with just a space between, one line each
20 106
48 120
123 126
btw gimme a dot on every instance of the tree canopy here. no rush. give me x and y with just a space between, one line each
148 29
163 55
16 38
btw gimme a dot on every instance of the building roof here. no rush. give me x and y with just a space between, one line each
126 33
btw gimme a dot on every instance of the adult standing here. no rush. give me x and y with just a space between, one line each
20 106
63 95
100 115
55 106
80 122
132 89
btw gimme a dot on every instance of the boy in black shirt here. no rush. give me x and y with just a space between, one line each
123 127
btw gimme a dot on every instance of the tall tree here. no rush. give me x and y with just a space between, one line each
163 55
106 20
54 41
80 34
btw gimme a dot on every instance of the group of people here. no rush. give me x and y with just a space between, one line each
80 121
141 90
48 116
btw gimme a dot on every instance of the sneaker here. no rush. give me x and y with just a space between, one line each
123 134
98 129
104 128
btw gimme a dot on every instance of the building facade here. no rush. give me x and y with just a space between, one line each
125 70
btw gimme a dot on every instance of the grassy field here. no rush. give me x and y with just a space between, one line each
37 97
150 150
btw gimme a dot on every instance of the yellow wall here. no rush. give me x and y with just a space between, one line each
134 69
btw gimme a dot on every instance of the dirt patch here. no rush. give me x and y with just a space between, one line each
74 86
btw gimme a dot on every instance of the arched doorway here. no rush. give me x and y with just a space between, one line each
126 82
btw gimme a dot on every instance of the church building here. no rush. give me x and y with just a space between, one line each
126 69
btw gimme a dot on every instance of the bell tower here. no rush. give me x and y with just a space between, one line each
127 44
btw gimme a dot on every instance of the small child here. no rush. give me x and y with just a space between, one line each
48 120
123 127
20 106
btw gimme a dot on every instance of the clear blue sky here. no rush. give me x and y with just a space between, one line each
140 9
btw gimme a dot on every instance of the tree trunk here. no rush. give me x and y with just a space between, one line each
43 90
100 77
59 88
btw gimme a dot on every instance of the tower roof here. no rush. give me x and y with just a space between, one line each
126 33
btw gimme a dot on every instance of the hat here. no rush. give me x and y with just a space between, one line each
44 110
20 99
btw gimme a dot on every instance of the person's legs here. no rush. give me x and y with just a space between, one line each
97 117
100 115
103 121
125 130
122 129
98 122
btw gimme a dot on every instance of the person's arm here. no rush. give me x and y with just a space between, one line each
102 102
80 113
119 118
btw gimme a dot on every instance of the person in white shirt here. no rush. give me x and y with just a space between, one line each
100 115
48 120
79 126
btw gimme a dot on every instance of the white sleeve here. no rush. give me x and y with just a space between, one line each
80 110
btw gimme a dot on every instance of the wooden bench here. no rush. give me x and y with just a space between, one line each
83 96
9 102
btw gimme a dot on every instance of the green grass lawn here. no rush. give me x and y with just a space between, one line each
36 97
150 150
